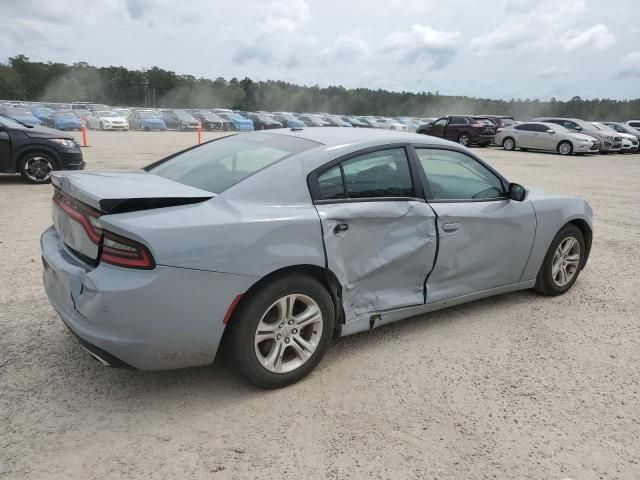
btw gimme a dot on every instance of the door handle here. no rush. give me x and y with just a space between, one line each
341 227
450 227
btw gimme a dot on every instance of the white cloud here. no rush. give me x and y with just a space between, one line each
597 36
555 72
348 47
630 66
284 16
525 25
432 48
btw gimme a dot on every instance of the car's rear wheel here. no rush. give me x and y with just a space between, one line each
464 139
565 148
36 167
509 144
562 263
281 332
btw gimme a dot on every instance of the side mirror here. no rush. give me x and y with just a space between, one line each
517 192
551 131
578 128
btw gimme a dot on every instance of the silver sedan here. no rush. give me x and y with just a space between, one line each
273 243
546 136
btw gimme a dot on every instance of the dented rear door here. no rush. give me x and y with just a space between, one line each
380 237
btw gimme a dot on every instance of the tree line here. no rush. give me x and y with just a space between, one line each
23 79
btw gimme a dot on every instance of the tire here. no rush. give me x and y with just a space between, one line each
262 309
464 139
546 284
509 144
565 148
33 165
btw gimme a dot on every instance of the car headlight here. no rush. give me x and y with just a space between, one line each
64 142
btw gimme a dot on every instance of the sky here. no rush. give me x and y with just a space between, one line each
492 49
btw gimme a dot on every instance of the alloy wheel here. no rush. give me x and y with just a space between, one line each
464 140
566 261
288 333
38 169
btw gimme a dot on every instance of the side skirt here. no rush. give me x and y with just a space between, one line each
373 320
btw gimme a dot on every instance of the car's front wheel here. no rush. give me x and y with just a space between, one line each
562 263
464 139
280 333
36 167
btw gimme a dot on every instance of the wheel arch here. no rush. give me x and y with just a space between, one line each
587 234
324 275
27 149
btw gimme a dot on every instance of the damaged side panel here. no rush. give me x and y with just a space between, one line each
380 251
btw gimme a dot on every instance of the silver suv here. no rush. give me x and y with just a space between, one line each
609 142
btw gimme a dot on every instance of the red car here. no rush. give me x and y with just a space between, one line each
467 130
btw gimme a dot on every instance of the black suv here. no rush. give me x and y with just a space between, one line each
34 152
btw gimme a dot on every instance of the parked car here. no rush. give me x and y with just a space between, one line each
624 128
107 120
64 120
545 136
289 120
411 124
370 122
275 242
336 121
179 120
609 142
500 121
35 151
355 121
314 120
123 112
211 121
629 142
263 121
236 122
467 130
42 114
146 120
81 114
98 107
634 124
391 124
20 114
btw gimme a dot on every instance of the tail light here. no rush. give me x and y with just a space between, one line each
81 213
124 252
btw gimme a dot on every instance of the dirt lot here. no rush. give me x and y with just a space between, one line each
518 386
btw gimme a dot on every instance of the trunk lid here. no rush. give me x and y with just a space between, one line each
80 198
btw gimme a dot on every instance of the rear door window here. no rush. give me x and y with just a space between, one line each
379 174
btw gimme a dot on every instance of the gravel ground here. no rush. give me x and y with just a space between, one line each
517 386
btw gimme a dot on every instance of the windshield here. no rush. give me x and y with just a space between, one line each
187 117
9 122
235 116
107 114
147 115
220 164
63 114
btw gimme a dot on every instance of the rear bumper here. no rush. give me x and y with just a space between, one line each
482 139
156 319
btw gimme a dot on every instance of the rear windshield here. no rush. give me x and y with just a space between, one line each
218 165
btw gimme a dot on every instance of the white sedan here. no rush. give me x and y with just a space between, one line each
107 120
